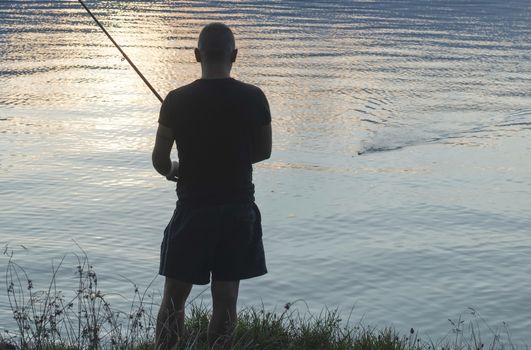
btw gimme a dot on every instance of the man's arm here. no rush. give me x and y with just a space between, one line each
161 153
261 144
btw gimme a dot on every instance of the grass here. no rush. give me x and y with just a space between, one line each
49 319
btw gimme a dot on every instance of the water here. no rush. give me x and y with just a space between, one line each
400 176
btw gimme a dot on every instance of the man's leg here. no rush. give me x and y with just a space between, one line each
223 321
170 320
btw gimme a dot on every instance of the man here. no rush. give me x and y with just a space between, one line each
221 126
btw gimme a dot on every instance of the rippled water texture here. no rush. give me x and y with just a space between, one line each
400 179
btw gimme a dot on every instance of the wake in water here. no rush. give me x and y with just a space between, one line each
395 138
391 138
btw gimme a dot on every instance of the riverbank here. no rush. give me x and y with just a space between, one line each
51 319
257 329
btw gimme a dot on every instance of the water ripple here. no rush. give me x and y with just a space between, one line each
411 237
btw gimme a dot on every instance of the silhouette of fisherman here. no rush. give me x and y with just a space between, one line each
221 126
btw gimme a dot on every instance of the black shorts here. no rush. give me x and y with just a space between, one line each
225 240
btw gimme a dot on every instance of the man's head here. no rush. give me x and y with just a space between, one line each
216 45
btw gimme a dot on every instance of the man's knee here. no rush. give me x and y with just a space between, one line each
225 292
175 293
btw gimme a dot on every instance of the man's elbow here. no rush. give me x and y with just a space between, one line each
261 157
161 165
262 144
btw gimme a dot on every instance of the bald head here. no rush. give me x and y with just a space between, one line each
216 43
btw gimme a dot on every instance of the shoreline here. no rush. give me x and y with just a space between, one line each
85 319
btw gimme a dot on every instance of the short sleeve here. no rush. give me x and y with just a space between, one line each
166 116
263 114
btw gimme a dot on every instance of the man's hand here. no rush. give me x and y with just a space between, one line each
173 174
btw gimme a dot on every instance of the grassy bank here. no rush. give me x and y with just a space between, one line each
50 319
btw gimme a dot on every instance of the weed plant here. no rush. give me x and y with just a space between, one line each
49 319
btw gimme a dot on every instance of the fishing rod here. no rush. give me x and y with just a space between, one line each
122 52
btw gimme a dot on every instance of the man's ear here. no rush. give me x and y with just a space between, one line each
197 55
233 55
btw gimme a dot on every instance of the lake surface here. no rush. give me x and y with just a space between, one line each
400 179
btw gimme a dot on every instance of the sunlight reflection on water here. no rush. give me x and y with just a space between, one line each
432 218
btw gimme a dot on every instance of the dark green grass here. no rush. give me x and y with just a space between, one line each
50 319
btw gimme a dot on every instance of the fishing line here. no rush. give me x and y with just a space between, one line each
122 52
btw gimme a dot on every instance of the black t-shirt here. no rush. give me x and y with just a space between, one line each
213 122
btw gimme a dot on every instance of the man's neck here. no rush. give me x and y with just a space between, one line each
215 72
